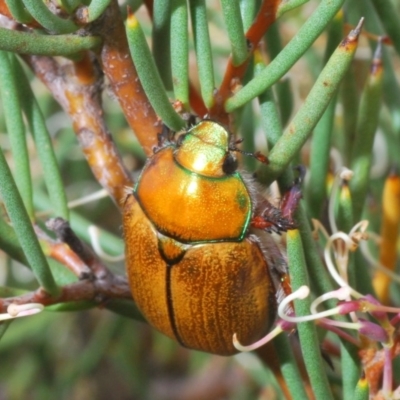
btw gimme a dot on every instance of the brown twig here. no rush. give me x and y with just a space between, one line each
97 283
77 87
196 102
98 290
64 233
122 75
62 253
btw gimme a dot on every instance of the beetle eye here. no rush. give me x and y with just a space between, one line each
230 164
179 140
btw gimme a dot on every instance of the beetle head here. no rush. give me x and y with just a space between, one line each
205 149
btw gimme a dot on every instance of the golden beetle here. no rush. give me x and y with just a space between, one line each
200 261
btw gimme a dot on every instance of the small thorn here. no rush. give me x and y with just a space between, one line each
357 30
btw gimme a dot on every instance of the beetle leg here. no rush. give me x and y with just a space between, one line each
271 219
284 282
292 197
279 219
163 138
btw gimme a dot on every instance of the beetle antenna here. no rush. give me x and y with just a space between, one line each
257 155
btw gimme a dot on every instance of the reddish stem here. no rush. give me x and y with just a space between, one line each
149 6
122 75
64 255
264 19
99 291
196 102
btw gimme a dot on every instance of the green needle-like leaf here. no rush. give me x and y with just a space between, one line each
47 19
149 75
350 369
179 51
362 390
283 87
18 11
234 26
203 50
16 131
349 99
391 86
289 367
45 45
70 5
321 141
248 10
3 327
23 228
307 330
161 40
287 5
288 56
366 127
43 143
9 243
315 104
96 8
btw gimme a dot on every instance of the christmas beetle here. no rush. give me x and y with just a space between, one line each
201 262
